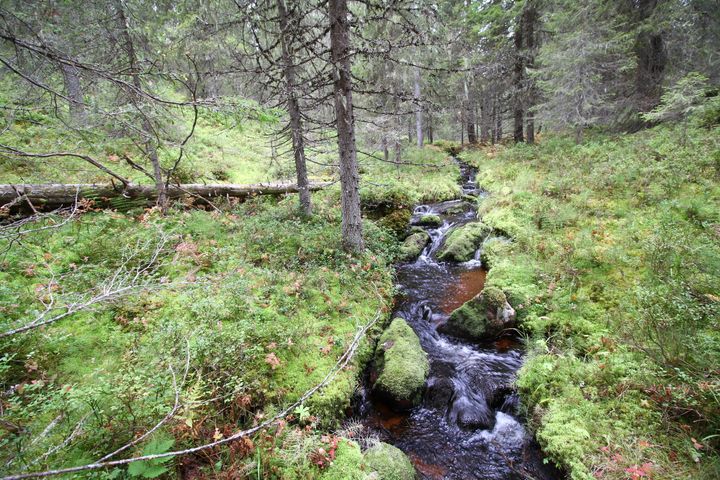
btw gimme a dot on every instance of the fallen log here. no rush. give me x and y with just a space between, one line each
53 195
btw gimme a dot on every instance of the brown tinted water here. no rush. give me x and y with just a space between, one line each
469 283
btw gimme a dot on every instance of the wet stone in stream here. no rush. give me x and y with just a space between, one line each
467 425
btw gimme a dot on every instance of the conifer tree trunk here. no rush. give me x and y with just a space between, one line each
150 142
498 121
518 77
470 114
352 240
651 57
73 90
529 21
485 119
429 128
293 106
418 110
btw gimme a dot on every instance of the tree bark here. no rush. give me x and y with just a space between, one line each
470 114
429 128
418 110
518 113
73 90
530 18
151 148
352 239
530 128
498 121
651 57
293 106
485 119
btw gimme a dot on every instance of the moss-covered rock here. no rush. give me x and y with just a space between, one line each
413 245
429 220
462 242
389 462
483 317
397 221
460 208
401 365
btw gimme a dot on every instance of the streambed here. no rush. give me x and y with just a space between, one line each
467 425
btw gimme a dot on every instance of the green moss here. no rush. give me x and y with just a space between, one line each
463 241
389 462
401 363
516 275
493 297
414 245
348 463
494 249
430 220
481 317
459 208
397 221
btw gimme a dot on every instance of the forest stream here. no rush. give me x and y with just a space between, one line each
468 425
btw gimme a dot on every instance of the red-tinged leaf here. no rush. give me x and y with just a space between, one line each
272 360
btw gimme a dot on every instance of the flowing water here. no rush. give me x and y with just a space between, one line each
467 426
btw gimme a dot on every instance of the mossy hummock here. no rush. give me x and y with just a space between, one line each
462 242
414 245
401 364
389 463
482 318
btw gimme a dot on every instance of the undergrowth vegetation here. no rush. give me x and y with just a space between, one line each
423 175
239 148
614 272
238 312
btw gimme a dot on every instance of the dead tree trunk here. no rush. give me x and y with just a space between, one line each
293 106
46 196
352 239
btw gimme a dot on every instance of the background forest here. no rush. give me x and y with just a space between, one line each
156 302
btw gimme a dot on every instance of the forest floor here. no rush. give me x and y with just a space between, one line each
613 270
242 310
